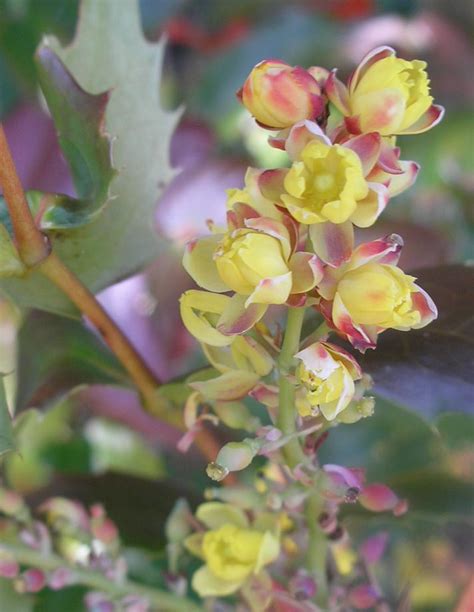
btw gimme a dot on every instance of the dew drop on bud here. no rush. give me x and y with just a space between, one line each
216 472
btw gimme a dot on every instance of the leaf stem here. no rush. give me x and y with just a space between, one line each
58 273
286 420
35 252
160 600
30 242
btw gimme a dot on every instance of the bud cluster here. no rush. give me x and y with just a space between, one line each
66 539
289 241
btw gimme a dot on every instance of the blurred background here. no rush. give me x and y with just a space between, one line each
212 47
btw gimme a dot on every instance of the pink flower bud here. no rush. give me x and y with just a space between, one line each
363 597
60 578
379 498
8 566
279 95
374 547
98 602
33 580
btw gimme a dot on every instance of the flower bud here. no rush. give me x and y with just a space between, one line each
279 95
236 456
357 411
236 415
253 263
9 567
370 293
177 526
363 597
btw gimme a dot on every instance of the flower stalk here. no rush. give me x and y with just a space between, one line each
160 600
292 451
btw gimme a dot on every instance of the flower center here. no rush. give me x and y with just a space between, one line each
324 182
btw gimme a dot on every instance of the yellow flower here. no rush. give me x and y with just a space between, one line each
370 293
324 184
254 264
327 373
232 549
386 94
378 294
279 95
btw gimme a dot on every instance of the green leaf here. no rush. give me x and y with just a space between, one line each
392 442
431 368
436 494
110 53
456 429
10 263
57 355
119 449
13 601
79 120
6 432
34 432
70 599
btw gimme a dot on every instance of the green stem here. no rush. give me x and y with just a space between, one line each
286 421
316 555
160 600
317 545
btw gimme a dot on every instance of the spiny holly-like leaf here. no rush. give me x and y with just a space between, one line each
110 53
6 432
431 368
58 354
79 119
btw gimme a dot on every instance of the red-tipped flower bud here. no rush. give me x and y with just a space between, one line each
279 95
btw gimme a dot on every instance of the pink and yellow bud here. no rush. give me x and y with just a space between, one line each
279 95
328 374
232 549
254 264
379 294
386 94
370 294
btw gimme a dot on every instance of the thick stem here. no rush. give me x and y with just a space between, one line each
160 600
316 555
317 545
286 419
30 242
144 379
35 253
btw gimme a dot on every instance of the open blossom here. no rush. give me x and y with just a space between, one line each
259 259
370 294
328 374
279 95
332 186
386 94
232 549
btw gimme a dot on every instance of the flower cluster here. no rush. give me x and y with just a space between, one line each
45 553
289 241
